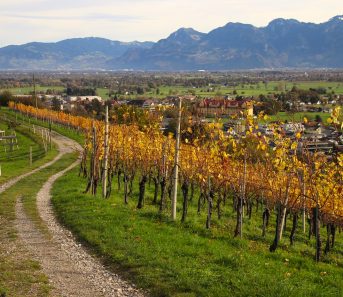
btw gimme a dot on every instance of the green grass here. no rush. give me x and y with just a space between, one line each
29 90
171 259
247 89
102 92
254 89
299 116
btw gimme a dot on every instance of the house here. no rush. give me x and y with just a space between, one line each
49 97
234 127
189 97
83 98
223 107
147 104
293 127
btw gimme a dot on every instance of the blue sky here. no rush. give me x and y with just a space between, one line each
23 21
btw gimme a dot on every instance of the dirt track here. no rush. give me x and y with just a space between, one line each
71 270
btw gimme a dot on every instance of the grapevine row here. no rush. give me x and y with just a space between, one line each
254 171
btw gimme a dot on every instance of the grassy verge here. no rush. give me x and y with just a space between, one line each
171 259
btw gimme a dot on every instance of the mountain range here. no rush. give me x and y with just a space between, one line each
283 43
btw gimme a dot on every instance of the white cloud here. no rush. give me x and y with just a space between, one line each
50 20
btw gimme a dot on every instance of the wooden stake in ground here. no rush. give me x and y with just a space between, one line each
176 162
104 176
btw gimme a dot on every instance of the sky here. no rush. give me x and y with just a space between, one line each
23 21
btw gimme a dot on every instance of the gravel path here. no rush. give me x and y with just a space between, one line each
72 271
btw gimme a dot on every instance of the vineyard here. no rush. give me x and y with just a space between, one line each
248 173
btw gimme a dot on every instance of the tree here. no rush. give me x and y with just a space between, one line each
140 90
5 97
55 104
271 106
318 119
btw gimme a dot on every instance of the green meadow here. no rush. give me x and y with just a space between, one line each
254 89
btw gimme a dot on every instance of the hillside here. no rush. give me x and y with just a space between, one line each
281 44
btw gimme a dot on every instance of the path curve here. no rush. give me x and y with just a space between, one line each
72 271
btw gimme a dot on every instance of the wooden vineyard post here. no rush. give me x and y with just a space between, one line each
104 176
176 162
93 163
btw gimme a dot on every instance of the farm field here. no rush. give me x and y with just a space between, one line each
29 90
283 116
102 92
248 89
212 90
299 116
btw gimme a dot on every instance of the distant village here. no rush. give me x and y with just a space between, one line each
317 135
